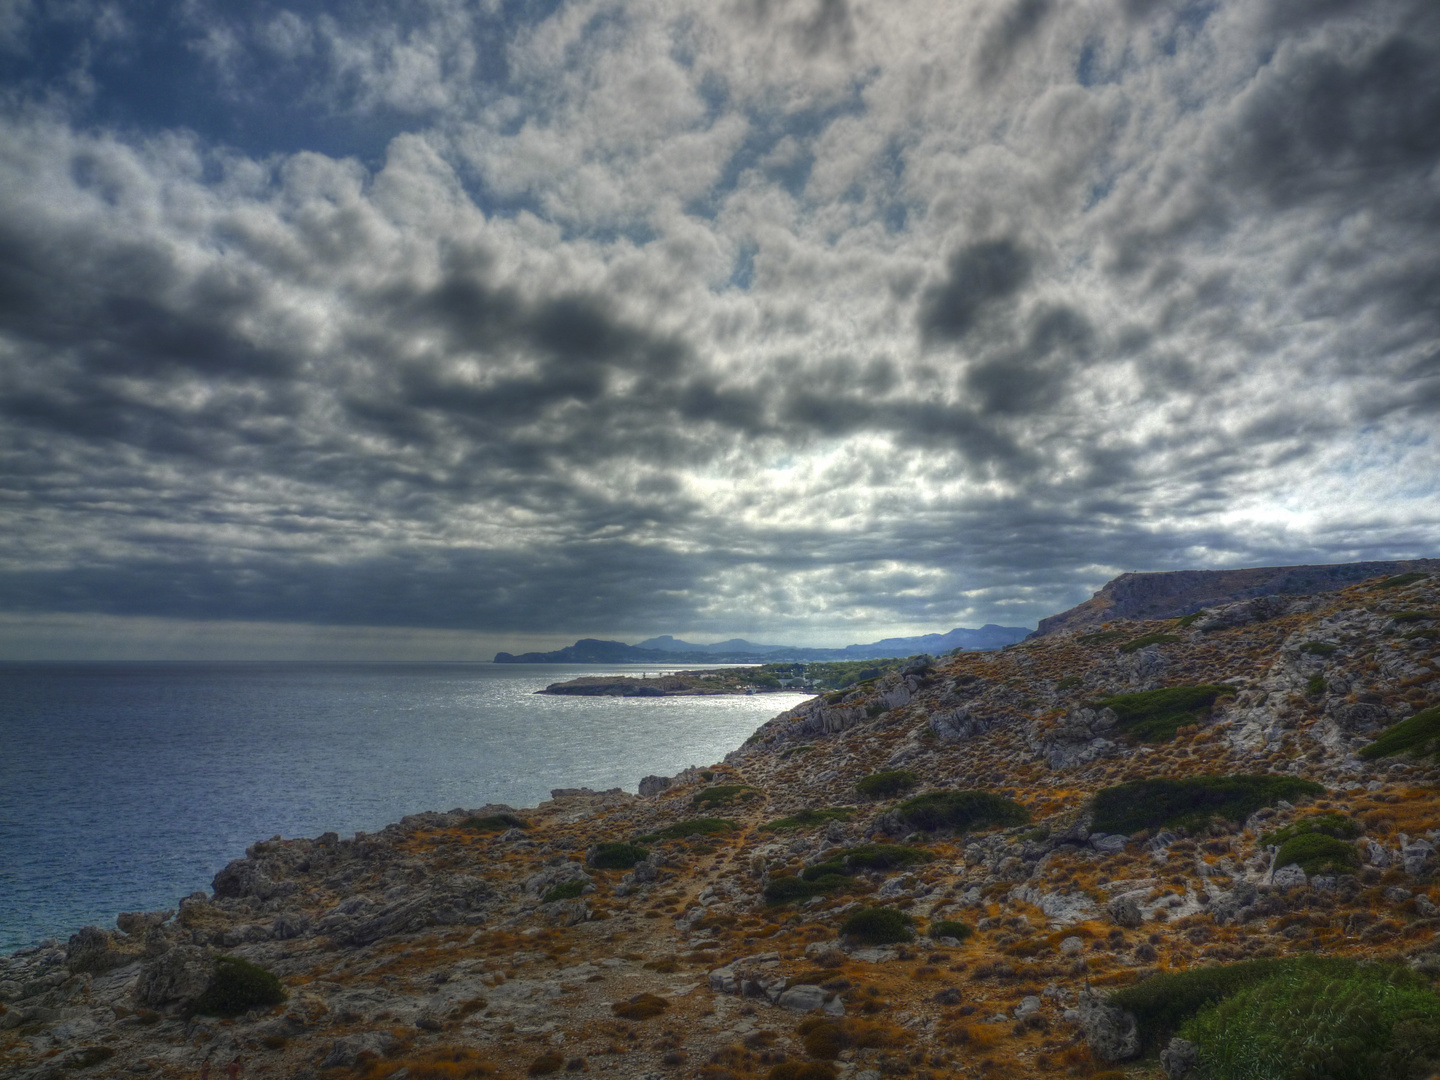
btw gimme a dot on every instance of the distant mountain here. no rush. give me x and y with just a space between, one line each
1179 592
671 650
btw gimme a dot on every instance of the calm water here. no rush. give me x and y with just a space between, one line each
126 786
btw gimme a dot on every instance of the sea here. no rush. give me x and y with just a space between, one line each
125 786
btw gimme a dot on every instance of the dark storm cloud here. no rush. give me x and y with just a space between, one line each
745 318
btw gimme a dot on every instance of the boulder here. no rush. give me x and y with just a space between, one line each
1125 911
1179 1058
92 950
1287 877
174 979
1112 1033
803 998
651 786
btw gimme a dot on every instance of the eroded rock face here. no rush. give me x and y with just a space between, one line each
1112 1033
175 979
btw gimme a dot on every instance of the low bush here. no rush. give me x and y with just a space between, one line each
1319 648
882 785
824 1037
784 890
1069 682
724 793
640 1007
238 986
1414 616
494 823
877 926
1419 737
1337 825
1136 644
617 855
866 857
1315 686
949 928
1316 853
1102 637
566 890
802 1070
1191 619
960 810
1322 1020
88 1058
806 819
1191 803
1399 581
705 826
1155 715
551 1061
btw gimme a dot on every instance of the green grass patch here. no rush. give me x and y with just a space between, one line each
1399 581
1135 644
721 794
950 928
1102 637
237 987
784 890
1191 619
878 926
790 751
617 855
494 823
1322 1020
1414 616
704 826
566 890
1191 803
1319 648
1419 737
808 819
960 810
1155 715
881 785
1069 682
1315 685
847 861
1429 632
1316 853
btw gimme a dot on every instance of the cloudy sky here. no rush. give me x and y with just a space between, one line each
428 328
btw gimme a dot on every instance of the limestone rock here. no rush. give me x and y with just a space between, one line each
651 786
92 950
1179 1058
174 979
1112 1033
344 1053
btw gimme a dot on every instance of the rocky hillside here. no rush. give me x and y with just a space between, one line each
1067 858
1180 592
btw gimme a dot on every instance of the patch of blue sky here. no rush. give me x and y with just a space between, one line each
744 271
766 132
1189 21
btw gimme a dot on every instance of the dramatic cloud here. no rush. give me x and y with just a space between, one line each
819 320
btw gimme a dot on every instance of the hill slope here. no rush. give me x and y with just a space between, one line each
1103 811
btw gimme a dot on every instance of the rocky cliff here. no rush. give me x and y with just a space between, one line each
1180 592
1084 814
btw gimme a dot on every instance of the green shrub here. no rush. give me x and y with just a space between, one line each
1430 633
1069 682
1419 737
1191 619
801 1070
1315 685
866 857
705 826
960 810
1319 648
1414 616
783 890
950 928
239 985
1399 581
617 855
877 926
566 890
1145 640
881 785
1155 715
1316 853
1337 825
724 793
1322 1020
1102 637
1164 803
806 819
494 823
